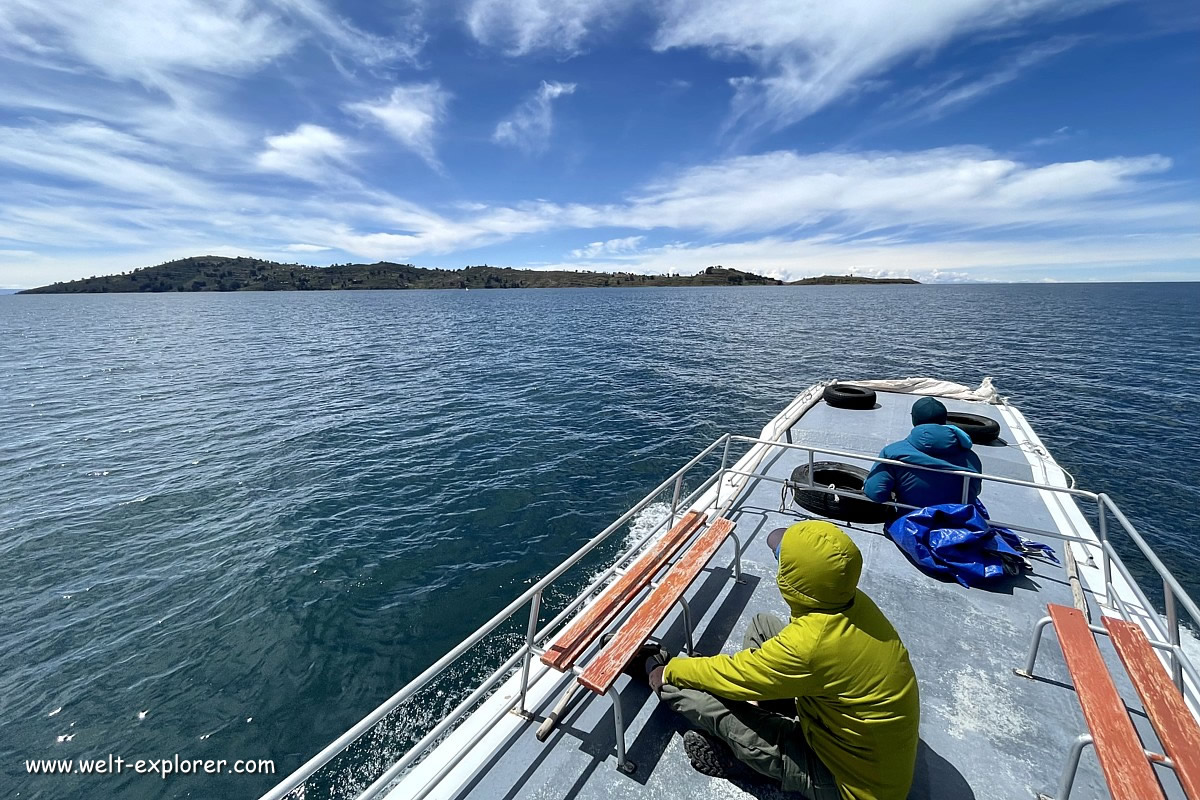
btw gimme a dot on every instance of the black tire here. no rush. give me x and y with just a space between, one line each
839 395
836 506
981 429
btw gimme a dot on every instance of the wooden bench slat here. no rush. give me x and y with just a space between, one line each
583 630
1174 724
602 672
1122 759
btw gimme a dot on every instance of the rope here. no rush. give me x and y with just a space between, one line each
1040 452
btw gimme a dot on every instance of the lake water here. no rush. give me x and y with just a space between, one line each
231 525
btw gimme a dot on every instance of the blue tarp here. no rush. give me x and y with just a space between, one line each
958 542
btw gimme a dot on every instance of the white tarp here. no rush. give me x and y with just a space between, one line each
986 393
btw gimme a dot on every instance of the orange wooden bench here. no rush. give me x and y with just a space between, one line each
1125 762
601 673
1176 727
607 665
583 630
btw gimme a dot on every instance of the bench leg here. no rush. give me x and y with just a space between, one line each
737 558
1038 629
687 626
623 763
551 721
1067 780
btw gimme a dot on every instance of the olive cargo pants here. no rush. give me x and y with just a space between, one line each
771 744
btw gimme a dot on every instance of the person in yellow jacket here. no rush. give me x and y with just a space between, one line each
854 735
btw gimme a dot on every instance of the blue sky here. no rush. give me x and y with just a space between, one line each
946 140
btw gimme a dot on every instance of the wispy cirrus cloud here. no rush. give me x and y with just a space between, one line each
959 90
813 53
805 54
969 187
310 152
152 43
529 126
341 35
411 115
611 247
524 26
164 68
91 155
944 205
155 42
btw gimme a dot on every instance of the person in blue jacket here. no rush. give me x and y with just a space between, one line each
932 443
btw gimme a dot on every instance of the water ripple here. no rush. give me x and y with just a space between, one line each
254 517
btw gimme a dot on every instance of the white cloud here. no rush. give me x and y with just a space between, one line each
523 26
945 195
310 152
981 259
411 114
150 41
158 42
1060 134
611 247
782 213
346 37
804 54
948 95
163 68
970 187
98 156
530 124
810 53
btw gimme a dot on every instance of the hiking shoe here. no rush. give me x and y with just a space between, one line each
712 757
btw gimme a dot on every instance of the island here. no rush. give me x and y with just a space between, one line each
241 274
851 280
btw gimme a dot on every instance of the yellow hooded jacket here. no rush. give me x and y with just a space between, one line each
841 659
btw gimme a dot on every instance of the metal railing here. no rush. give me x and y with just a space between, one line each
1169 634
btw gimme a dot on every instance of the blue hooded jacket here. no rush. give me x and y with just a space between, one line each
930 445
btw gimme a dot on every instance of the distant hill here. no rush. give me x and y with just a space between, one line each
224 274
838 280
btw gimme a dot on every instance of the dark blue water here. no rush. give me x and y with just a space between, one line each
231 525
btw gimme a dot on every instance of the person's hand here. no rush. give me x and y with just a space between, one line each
656 679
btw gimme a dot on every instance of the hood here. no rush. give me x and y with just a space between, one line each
819 567
939 440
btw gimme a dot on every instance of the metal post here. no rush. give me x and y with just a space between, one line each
1102 532
623 763
1038 628
1068 777
737 559
675 499
535 610
810 469
687 626
966 489
1173 633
